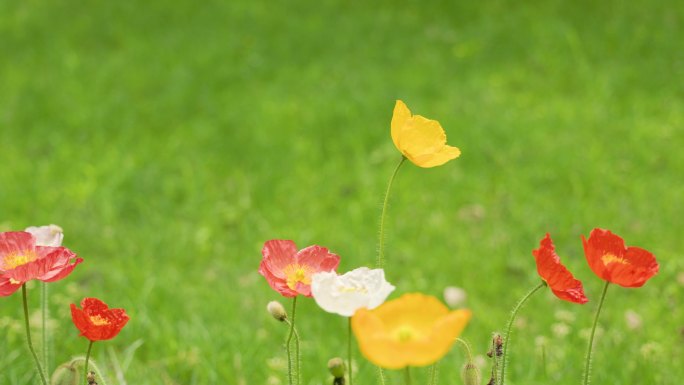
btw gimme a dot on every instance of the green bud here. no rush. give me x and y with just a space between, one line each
336 367
277 310
470 374
65 374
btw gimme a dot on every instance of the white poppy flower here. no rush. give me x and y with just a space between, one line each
50 235
345 294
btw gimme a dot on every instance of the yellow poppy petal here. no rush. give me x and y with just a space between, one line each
421 138
399 117
446 154
413 330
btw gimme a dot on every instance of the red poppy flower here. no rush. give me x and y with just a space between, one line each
289 271
613 262
21 261
557 276
96 321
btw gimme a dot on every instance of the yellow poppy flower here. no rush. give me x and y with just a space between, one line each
413 330
421 140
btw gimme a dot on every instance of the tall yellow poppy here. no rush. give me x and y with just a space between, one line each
421 140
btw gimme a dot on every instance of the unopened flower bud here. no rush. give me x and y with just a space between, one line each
277 310
65 375
91 378
336 367
470 374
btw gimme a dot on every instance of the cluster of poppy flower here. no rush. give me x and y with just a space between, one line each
37 254
417 329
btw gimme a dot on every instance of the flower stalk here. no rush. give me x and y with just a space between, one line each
28 337
292 376
507 336
587 361
87 358
349 349
381 236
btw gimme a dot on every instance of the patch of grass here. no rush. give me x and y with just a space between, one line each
171 140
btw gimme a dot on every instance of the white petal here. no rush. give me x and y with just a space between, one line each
50 235
345 294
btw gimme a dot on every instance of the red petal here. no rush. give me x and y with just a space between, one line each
7 287
561 282
318 259
631 267
277 254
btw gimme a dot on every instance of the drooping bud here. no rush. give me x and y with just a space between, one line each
65 374
277 310
336 367
470 374
91 378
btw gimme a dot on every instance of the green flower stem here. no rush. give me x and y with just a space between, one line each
469 353
407 375
44 320
91 364
292 332
349 350
28 336
381 236
434 368
85 366
507 336
381 376
587 362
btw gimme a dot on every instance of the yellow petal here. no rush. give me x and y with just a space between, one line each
413 330
399 117
421 138
444 155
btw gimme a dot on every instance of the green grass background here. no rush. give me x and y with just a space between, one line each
171 139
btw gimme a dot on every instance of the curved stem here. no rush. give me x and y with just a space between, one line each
287 344
349 350
587 362
44 320
87 358
381 237
407 375
433 373
381 376
507 336
28 336
467 348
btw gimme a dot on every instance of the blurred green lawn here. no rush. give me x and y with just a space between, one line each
171 139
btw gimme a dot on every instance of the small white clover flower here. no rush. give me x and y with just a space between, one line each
345 294
50 235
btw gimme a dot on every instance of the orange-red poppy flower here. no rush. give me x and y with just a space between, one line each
96 321
557 277
613 262
413 330
421 140
289 271
21 260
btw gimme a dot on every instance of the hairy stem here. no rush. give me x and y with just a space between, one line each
507 336
587 362
381 236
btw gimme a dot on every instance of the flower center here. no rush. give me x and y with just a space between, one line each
13 260
353 289
98 320
610 258
406 334
296 273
